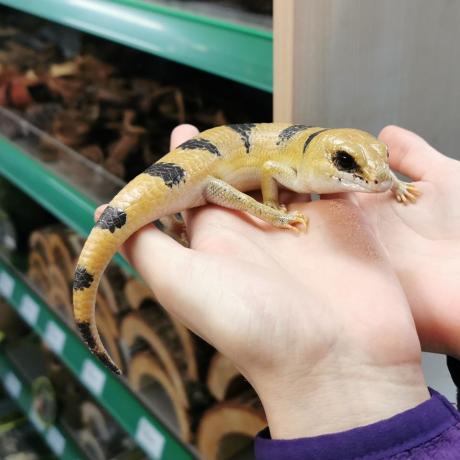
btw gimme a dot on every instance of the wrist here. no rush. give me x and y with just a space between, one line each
340 399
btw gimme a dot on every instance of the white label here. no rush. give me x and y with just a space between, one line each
149 438
29 310
93 377
12 384
54 337
55 440
6 285
9 242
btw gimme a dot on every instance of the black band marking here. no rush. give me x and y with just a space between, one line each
85 331
105 360
311 137
290 131
171 173
111 219
244 130
200 144
82 279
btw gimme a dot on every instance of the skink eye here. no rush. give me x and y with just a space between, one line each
343 161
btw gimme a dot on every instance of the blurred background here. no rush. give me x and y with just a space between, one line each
89 92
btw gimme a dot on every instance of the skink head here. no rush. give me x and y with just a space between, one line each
348 160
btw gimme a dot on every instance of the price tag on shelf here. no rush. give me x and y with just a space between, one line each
12 384
149 438
29 310
6 285
54 337
55 440
92 377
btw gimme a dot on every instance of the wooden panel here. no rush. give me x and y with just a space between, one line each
368 63
283 59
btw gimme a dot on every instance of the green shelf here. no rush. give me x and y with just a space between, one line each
65 201
111 392
60 443
52 192
229 49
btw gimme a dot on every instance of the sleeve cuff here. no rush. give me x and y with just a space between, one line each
382 439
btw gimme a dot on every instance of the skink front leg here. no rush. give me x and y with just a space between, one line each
274 173
404 191
219 192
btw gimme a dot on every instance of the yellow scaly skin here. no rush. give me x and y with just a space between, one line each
217 166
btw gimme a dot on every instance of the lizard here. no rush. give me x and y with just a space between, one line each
217 166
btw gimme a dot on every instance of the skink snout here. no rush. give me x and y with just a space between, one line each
382 180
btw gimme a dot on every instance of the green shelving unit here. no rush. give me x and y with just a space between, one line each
109 390
228 49
61 444
236 51
55 194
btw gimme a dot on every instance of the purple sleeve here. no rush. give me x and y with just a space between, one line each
429 431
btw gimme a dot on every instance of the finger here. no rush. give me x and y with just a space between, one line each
181 134
161 261
99 210
144 249
126 249
409 153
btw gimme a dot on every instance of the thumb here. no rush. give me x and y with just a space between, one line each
149 249
182 133
157 257
409 153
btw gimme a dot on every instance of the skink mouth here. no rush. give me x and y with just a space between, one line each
359 184
382 186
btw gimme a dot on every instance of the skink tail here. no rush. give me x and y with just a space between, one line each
168 186
142 201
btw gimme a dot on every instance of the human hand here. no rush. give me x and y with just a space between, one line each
423 239
317 322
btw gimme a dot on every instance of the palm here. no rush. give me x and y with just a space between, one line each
423 242
257 293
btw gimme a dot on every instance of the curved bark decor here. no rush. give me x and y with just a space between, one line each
58 278
38 279
224 379
38 264
58 295
91 445
62 253
229 427
108 329
38 242
111 287
152 328
139 295
145 376
137 292
94 420
59 301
